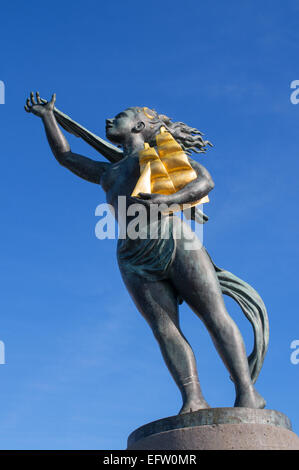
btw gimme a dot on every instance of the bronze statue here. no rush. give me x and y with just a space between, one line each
159 273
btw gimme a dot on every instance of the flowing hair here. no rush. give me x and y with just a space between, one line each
189 138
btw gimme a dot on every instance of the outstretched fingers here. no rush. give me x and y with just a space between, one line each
31 101
28 106
34 104
32 98
53 99
38 98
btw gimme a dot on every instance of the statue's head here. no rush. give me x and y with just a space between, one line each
135 120
147 123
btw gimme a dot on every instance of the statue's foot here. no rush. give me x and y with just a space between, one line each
194 405
250 398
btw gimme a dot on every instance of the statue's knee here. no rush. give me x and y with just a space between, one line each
163 331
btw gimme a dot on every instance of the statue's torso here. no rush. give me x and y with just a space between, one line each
120 179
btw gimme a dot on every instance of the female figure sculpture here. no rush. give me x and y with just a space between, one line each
160 273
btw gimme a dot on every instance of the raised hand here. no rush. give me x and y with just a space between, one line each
37 107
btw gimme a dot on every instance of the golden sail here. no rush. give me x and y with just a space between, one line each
167 171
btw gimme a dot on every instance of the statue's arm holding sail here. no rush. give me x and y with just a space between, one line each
195 213
194 191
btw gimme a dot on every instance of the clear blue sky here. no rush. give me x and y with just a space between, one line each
83 369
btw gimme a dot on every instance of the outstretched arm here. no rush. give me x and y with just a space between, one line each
108 150
84 167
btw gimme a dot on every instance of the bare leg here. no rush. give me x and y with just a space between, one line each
157 302
194 277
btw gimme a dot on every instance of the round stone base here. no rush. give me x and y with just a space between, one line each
217 429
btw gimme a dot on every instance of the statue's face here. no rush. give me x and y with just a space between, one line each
118 129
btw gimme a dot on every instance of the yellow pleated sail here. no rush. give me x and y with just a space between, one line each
167 171
144 182
174 160
160 181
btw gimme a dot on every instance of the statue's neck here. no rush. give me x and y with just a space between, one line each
133 145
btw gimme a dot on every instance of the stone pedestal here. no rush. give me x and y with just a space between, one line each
217 428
